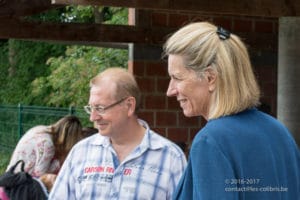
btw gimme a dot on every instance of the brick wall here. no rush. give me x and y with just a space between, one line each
163 113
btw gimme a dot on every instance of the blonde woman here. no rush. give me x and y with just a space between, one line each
241 153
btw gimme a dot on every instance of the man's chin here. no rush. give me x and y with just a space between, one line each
102 131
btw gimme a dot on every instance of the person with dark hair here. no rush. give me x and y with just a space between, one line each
241 152
126 159
44 148
89 131
48 179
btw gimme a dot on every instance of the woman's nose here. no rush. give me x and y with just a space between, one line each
171 91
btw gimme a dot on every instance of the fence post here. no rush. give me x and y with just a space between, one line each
71 110
20 127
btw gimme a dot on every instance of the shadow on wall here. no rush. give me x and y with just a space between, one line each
264 107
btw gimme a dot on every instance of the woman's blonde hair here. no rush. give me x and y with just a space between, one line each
202 47
66 132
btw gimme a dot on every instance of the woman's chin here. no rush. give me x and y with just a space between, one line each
187 114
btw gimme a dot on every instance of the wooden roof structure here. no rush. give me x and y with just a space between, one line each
12 24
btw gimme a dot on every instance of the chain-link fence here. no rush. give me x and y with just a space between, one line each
16 120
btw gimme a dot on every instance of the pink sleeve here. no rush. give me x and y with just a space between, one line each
3 195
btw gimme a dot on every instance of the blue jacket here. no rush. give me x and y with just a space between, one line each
247 156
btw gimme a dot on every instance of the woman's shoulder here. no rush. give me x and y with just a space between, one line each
39 129
36 134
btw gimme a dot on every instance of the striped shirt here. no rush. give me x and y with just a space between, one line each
92 170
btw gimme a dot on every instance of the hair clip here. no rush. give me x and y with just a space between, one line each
223 33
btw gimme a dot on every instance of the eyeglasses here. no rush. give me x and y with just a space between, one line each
101 109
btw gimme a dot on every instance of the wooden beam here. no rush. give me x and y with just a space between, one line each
102 34
17 8
266 8
81 32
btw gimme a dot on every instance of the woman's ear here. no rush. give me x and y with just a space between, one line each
211 76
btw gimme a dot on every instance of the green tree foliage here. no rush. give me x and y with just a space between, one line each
4 66
68 84
40 73
21 63
108 15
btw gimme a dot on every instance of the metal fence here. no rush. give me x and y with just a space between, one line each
16 120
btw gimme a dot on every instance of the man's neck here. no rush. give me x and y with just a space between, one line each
124 146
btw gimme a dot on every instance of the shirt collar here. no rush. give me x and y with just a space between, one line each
150 140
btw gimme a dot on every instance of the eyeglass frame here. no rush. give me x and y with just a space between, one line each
89 109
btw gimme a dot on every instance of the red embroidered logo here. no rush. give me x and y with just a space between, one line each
99 169
127 172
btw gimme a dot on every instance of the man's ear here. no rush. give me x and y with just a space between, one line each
211 77
131 104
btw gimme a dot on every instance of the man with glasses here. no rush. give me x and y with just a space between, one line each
126 160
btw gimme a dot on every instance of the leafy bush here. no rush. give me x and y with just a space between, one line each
4 159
